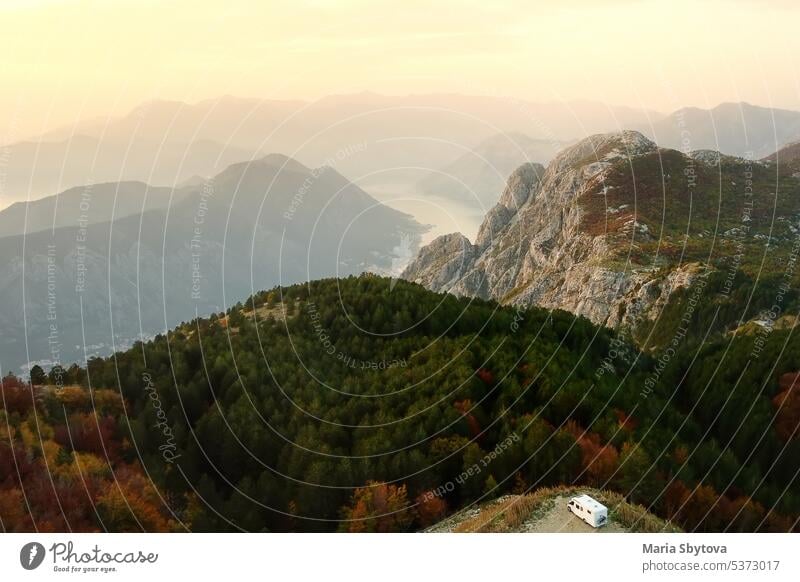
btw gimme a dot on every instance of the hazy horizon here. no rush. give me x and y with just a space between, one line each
182 140
188 52
101 118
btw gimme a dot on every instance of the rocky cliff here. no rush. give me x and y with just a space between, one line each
613 227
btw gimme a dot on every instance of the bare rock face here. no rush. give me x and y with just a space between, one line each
522 186
536 247
443 262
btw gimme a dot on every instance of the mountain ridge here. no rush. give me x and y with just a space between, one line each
740 129
615 228
251 226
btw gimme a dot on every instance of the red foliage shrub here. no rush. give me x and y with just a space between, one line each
787 406
13 511
625 421
16 396
15 465
599 461
430 508
464 406
485 376
86 432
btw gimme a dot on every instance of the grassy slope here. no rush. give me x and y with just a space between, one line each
689 216
738 220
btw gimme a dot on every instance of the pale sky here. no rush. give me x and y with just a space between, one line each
64 60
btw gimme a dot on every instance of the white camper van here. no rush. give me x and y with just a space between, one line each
592 512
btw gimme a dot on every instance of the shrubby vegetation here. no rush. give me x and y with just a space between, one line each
362 404
66 466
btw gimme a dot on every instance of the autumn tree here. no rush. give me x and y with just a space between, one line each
430 508
131 503
378 507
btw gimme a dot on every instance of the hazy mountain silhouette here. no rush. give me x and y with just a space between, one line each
36 169
371 138
90 204
252 226
738 129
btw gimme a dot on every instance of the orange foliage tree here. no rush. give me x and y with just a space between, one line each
378 507
430 508
599 461
131 503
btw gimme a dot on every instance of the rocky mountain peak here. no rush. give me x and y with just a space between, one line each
442 262
602 148
520 185
597 232
566 177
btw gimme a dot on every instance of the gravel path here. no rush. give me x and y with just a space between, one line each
556 518
552 517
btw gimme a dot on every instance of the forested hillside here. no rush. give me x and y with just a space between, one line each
370 404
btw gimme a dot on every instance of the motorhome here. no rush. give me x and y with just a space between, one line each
589 510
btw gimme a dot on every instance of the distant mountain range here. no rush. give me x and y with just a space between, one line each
738 129
370 138
90 204
102 283
42 168
373 139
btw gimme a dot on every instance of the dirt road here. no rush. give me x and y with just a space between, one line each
555 518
